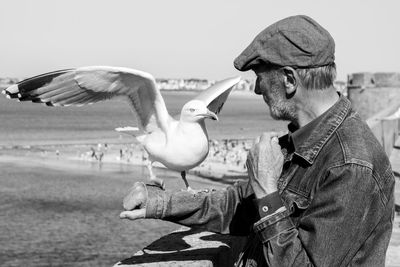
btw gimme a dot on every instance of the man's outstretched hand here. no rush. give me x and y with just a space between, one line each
135 202
264 164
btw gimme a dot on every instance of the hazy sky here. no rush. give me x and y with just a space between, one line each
183 38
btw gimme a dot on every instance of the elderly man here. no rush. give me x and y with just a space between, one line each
322 194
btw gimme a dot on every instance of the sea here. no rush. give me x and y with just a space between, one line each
244 116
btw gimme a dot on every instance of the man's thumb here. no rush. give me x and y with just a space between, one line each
133 214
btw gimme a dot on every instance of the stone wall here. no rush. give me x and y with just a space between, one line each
370 93
376 97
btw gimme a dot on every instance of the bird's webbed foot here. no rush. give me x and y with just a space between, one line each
195 192
188 188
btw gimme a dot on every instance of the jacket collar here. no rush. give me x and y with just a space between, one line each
311 138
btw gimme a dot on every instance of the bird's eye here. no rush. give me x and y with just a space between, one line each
191 109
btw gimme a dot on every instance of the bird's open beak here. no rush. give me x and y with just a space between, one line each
211 115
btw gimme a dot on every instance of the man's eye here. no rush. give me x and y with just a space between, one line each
191 109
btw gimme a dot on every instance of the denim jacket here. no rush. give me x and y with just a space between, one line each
338 189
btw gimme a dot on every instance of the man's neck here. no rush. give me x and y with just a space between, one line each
313 103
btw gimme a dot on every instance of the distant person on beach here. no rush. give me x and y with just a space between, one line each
121 154
100 152
321 195
93 153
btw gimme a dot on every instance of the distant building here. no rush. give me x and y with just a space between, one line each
245 85
6 82
183 84
197 84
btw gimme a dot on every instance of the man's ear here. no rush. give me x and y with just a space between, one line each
290 80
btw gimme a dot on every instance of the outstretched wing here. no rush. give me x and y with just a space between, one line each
215 96
88 85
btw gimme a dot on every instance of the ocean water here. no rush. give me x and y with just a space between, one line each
245 115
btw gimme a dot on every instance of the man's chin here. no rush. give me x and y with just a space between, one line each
277 115
279 118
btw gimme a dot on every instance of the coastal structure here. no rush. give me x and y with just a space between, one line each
376 97
371 93
6 82
198 84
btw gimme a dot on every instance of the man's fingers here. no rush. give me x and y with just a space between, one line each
134 202
268 140
133 214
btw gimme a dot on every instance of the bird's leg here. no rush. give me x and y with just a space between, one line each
157 181
188 188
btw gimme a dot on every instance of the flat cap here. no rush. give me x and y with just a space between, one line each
296 41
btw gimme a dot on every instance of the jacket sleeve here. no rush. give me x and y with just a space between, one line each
348 207
228 211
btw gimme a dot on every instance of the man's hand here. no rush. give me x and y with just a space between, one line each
264 164
135 202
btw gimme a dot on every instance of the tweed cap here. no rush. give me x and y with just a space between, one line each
296 41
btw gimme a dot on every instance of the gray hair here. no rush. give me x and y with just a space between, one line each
318 78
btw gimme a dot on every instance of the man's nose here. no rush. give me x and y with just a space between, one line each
257 88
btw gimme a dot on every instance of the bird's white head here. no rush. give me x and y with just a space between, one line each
196 110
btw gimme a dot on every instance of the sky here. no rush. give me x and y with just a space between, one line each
184 38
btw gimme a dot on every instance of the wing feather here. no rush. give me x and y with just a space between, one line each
215 96
76 98
61 95
88 85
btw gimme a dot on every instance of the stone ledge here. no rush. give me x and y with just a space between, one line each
188 247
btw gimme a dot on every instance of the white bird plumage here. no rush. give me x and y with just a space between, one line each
178 144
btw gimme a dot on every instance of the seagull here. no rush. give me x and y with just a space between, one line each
179 145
